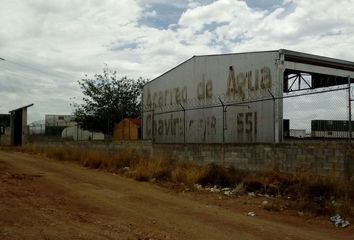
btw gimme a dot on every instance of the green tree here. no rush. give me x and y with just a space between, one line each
107 100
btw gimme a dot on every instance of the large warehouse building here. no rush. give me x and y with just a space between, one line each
233 97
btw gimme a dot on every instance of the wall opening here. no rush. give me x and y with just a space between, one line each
315 106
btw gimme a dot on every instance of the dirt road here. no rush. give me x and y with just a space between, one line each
42 198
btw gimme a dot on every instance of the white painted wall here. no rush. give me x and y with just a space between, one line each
200 82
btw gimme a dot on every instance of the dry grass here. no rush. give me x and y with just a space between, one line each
188 173
311 193
153 169
308 192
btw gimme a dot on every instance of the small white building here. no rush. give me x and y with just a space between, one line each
297 133
59 120
66 127
78 134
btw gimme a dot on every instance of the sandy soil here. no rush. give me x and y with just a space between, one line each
42 198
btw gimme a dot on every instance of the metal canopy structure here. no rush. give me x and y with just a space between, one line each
297 80
301 80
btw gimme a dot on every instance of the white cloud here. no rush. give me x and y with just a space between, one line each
60 41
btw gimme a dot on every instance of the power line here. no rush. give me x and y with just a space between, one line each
56 75
35 69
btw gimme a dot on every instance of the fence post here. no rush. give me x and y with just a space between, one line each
184 124
348 159
274 127
223 131
223 120
141 115
153 126
350 111
107 126
81 135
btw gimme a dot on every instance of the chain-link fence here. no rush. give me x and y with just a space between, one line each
63 131
305 114
350 110
317 114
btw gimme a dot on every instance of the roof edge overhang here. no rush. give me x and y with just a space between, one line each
27 106
311 59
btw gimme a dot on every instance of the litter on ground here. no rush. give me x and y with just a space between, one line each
339 221
251 214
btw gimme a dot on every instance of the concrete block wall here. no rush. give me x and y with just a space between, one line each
327 158
5 139
320 158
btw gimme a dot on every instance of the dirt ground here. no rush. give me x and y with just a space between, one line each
42 198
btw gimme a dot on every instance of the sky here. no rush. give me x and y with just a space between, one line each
48 44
